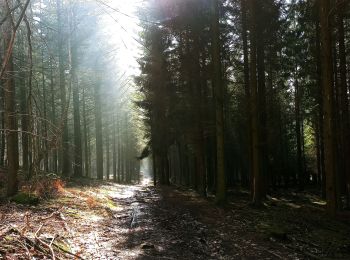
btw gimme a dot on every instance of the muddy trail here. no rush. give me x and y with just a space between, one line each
93 220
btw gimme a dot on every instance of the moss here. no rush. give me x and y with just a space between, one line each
25 199
111 204
73 213
63 246
8 238
273 230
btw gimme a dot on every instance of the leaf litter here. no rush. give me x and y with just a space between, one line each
101 220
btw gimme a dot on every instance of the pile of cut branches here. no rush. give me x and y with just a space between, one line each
43 238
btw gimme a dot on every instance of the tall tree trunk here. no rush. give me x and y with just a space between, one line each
262 109
76 102
219 105
98 125
344 105
86 138
29 120
107 152
53 117
256 173
123 164
3 135
119 147
24 119
199 101
45 142
246 85
10 111
300 171
114 145
65 167
319 95
327 87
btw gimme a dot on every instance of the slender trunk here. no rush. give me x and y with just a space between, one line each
246 84
327 87
24 122
107 153
119 151
123 167
219 105
45 142
262 109
199 100
114 139
344 105
88 148
319 99
86 138
10 113
76 102
300 171
29 125
65 167
318 150
256 174
3 135
98 126
53 117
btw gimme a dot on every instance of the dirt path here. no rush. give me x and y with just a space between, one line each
109 221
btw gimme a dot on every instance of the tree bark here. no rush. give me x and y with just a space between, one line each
107 153
86 138
76 102
98 126
344 105
300 170
114 148
246 86
65 167
10 112
327 87
119 147
53 116
219 105
257 193
262 107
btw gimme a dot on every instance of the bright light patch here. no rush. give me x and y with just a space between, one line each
121 27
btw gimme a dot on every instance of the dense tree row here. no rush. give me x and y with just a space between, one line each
248 92
60 112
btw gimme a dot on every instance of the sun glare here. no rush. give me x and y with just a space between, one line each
121 26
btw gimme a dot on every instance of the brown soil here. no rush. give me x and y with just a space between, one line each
93 220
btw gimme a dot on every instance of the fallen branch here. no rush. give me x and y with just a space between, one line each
66 251
55 214
38 231
48 246
27 250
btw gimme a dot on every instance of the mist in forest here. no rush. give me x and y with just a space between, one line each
180 129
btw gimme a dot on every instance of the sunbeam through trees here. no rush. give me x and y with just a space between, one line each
174 129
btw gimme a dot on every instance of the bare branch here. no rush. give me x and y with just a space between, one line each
8 14
12 40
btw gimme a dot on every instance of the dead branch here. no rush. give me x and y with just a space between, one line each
26 249
57 214
47 246
67 252
8 14
26 132
9 50
39 230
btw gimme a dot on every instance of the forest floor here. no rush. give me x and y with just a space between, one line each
94 220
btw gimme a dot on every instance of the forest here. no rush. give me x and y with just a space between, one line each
174 129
